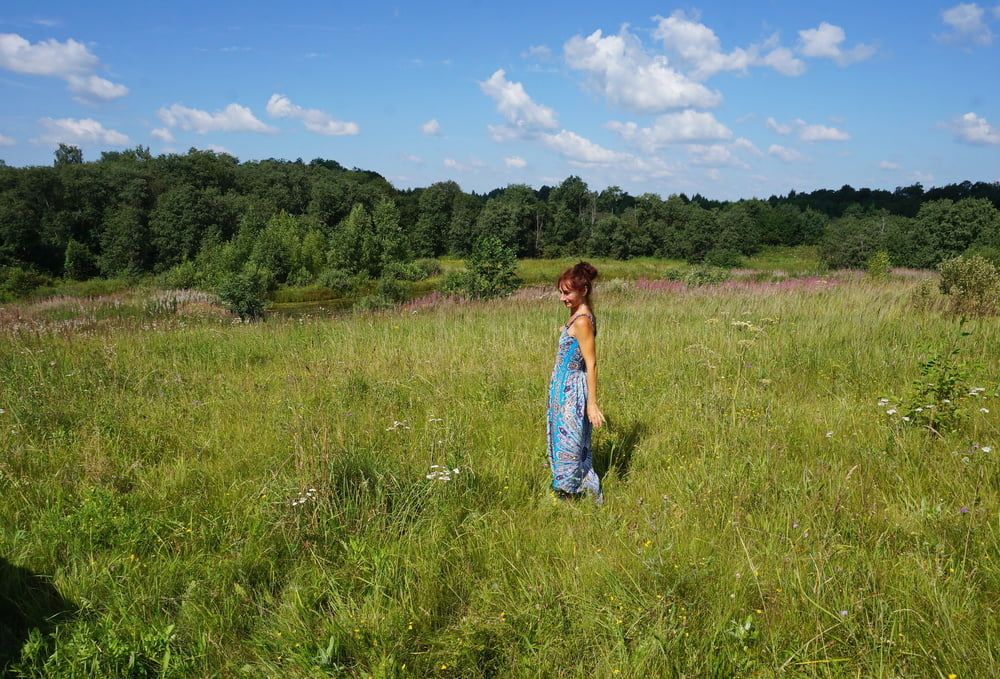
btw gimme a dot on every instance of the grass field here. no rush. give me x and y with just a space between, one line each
182 496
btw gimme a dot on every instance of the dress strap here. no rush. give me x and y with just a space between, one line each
573 318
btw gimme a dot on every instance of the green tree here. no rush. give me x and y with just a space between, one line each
125 243
68 155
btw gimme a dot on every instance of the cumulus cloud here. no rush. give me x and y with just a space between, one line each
233 118
314 120
714 155
888 165
458 166
966 26
808 131
574 147
685 126
537 52
973 129
411 158
697 46
630 77
163 134
7 141
747 145
515 161
824 42
95 87
70 60
514 104
431 128
79 131
786 154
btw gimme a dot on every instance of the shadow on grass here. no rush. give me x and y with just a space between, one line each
28 601
614 448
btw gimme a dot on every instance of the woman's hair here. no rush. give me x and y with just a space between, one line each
579 277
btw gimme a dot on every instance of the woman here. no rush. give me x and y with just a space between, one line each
573 410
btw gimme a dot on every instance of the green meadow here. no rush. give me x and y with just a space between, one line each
185 496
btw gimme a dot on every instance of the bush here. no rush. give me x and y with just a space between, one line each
17 282
674 274
926 296
182 276
723 257
878 265
426 267
490 271
79 262
388 293
972 284
341 282
244 293
705 275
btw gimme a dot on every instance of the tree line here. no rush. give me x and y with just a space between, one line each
201 215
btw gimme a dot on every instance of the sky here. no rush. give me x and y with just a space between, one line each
730 100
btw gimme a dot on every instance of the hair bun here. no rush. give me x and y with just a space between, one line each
585 270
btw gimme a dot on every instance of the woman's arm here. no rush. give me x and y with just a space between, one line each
584 333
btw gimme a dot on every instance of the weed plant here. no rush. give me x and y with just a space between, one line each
366 495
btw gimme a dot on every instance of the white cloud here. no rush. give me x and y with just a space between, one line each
775 126
697 46
808 131
685 126
314 120
537 52
163 134
7 141
713 174
233 118
515 161
824 42
516 106
82 131
815 132
95 87
972 129
888 165
922 177
70 60
630 77
786 154
782 60
458 166
714 155
573 146
966 26
410 158
49 57
431 128
215 148
747 145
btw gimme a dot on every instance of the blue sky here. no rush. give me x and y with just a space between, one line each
726 99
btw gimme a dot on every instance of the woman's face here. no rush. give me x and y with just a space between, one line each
569 297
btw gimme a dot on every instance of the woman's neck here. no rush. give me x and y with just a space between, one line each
582 307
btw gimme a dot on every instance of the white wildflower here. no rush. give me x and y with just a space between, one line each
890 411
985 411
829 434
986 449
919 410
883 401
946 400
906 418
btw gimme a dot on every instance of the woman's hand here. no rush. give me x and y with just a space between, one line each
595 415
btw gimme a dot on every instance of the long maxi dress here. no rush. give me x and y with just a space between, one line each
567 426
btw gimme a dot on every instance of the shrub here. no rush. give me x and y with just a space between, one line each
17 282
723 257
181 276
878 265
426 267
79 263
490 271
705 275
674 274
972 284
388 293
926 296
244 293
341 282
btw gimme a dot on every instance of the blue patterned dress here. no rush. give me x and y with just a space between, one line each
567 426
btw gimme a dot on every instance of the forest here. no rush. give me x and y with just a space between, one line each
196 218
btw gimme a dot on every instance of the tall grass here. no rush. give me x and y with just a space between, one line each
214 500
